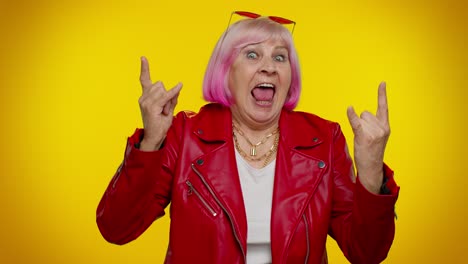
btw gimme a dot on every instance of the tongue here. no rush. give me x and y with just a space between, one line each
263 94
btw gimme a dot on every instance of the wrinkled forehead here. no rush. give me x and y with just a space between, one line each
273 43
262 40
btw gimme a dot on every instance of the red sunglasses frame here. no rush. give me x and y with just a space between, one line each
280 20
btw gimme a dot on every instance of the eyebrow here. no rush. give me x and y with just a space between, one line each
281 47
256 45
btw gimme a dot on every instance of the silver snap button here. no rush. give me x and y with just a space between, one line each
321 164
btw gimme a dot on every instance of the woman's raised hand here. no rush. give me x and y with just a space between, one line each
371 134
157 108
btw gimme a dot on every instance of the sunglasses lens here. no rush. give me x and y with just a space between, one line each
281 20
247 14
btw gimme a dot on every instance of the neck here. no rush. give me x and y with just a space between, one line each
253 130
260 153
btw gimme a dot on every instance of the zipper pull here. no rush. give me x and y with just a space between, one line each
190 188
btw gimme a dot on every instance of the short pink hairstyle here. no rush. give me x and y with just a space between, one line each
237 36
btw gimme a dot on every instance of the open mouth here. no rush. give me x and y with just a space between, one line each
264 92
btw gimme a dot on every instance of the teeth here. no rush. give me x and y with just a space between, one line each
266 85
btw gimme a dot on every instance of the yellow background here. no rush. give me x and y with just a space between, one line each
69 90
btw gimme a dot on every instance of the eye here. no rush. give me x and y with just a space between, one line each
280 58
252 55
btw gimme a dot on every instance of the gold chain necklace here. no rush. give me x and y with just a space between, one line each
253 147
266 157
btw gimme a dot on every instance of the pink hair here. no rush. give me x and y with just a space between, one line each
237 36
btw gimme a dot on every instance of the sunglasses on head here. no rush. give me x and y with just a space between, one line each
280 20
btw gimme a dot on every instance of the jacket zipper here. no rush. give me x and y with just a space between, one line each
222 207
307 238
193 190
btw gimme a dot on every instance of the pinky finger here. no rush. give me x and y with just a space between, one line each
170 105
173 103
167 108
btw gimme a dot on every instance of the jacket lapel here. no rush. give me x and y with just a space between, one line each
217 166
296 179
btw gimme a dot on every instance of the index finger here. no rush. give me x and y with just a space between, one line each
145 78
382 108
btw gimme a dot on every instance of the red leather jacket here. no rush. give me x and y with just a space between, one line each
315 194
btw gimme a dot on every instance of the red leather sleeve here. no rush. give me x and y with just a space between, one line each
140 189
362 223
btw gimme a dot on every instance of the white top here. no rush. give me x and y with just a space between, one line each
257 190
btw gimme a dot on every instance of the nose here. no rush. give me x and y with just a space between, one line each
268 66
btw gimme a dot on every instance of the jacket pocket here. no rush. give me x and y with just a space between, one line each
203 202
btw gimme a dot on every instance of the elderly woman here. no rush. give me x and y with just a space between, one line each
250 180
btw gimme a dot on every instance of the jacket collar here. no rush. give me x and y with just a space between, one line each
298 132
216 126
215 123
